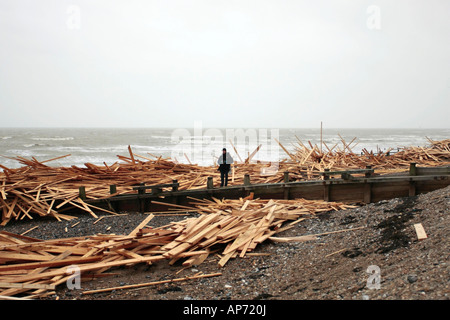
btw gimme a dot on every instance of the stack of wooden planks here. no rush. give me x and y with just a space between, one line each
313 159
241 225
33 268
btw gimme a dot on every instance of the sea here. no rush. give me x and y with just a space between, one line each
195 145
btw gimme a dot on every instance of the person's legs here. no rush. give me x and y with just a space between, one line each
222 178
226 179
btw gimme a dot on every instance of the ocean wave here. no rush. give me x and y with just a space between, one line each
166 137
5 138
54 139
22 153
141 148
29 145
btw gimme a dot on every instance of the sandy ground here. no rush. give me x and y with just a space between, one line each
334 267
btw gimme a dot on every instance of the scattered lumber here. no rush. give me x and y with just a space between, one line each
33 268
37 189
312 160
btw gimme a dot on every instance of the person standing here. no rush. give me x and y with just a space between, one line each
225 161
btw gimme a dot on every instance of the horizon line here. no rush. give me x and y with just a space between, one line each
217 127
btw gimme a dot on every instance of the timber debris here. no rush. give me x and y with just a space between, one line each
31 268
37 189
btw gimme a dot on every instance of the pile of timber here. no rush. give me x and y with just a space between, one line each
313 159
37 189
33 268
43 190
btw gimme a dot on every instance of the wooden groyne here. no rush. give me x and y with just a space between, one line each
352 186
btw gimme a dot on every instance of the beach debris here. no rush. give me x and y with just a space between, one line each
33 268
38 189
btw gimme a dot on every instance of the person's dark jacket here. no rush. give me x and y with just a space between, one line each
224 162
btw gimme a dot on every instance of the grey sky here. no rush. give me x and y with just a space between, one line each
225 63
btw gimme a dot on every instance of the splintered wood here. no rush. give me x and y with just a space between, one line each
33 268
37 189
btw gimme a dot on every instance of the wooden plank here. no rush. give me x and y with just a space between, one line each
192 253
241 239
13 291
196 260
20 256
204 233
225 258
294 239
2 190
3 297
173 205
86 207
29 230
139 285
420 231
204 221
310 236
11 209
89 267
177 250
128 253
19 236
50 263
141 225
27 286
247 202
232 232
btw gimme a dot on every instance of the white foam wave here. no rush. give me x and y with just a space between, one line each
54 139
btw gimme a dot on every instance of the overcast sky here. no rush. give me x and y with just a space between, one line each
226 63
